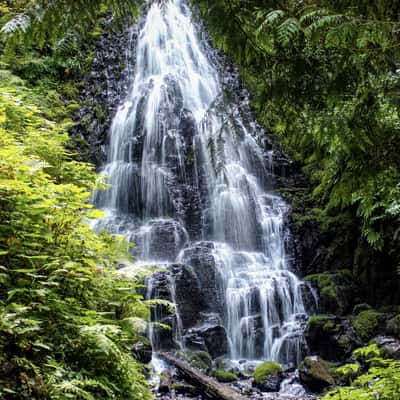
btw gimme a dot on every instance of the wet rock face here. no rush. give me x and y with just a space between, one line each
188 295
160 239
200 257
201 330
215 339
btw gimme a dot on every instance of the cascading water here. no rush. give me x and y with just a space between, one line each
188 183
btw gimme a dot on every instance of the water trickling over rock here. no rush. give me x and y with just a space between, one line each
189 185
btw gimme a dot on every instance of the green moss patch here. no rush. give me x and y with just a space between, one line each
225 376
266 369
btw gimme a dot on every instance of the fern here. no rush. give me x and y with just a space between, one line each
16 26
288 31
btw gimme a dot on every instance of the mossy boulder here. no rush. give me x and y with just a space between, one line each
393 326
368 323
225 376
335 290
333 338
315 373
268 376
200 359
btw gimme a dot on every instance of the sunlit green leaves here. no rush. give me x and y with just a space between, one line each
63 309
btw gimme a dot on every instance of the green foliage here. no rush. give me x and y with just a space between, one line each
59 22
225 376
382 379
266 369
347 373
64 312
367 324
324 82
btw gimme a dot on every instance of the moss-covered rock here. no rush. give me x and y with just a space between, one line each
315 373
331 337
199 359
225 376
335 290
393 326
367 324
266 369
268 376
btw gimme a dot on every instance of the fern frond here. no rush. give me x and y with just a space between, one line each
17 25
324 22
288 31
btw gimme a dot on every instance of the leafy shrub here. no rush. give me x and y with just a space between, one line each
381 381
65 314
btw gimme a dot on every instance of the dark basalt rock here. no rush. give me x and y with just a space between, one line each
215 339
103 90
209 335
188 295
200 257
331 337
164 240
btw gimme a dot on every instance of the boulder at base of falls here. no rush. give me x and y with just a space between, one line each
314 373
268 376
210 335
331 337
215 339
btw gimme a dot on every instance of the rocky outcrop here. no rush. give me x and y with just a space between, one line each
335 290
103 88
331 337
200 256
198 329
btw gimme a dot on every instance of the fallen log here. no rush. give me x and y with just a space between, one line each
209 386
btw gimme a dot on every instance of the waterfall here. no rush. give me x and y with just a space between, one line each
188 184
